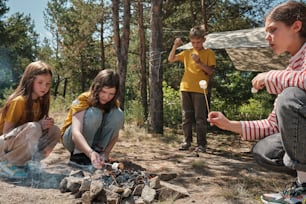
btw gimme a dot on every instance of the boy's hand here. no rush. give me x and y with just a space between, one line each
196 58
178 42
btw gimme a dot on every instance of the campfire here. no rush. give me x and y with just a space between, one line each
115 183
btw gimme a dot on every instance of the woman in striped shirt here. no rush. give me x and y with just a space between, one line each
282 136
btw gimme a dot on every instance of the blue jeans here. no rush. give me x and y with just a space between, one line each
98 128
286 150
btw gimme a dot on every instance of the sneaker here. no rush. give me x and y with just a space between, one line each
79 160
200 148
11 171
296 194
185 146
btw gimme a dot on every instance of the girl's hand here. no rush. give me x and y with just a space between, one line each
46 123
217 119
258 81
96 160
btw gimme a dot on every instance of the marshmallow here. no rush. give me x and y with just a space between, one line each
203 84
253 90
115 166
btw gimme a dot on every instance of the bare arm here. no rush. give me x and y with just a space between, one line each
172 57
80 141
77 136
219 120
110 146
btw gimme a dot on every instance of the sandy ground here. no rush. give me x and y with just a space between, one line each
225 174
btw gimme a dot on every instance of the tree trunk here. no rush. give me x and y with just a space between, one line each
122 45
101 20
83 73
115 9
204 14
143 68
156 71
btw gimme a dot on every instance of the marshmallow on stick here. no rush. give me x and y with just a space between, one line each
253 90
203 85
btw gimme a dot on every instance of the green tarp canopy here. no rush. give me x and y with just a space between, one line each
248 49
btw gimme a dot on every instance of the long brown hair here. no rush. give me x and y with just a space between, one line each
288 13
105 78
25 88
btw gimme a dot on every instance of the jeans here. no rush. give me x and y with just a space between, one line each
194 108
286 150
98 128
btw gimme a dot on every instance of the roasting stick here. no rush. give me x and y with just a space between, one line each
203 85
115 166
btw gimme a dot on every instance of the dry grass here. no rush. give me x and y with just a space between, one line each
226 174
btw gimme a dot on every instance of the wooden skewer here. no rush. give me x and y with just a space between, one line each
207 106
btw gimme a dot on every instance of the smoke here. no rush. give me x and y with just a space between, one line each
6 75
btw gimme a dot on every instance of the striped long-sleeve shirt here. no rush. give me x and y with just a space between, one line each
276 81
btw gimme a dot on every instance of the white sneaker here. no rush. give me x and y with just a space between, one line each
296 194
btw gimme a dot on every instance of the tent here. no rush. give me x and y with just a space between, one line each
247 49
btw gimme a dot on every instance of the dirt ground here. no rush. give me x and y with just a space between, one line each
225 174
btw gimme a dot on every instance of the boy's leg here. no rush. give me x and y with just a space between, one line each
187 116
200 118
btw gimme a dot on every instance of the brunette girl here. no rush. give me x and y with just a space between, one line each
27 132
92 125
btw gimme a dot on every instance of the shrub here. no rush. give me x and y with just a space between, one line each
171 106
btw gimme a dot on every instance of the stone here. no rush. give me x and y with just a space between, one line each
171 191
154 182
126 193
148 194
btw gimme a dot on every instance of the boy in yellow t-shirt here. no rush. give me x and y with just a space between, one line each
199 64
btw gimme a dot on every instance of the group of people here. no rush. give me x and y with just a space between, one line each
28 133
281 137
92 125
